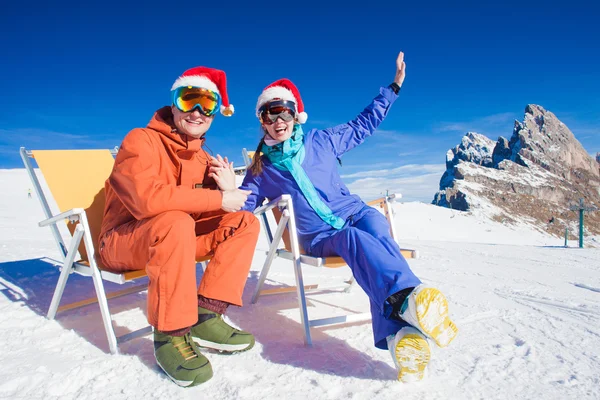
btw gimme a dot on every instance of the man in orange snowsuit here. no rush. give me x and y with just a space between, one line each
164 210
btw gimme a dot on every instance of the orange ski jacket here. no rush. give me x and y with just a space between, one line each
158 170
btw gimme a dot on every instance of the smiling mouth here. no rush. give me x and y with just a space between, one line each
280 131
194 122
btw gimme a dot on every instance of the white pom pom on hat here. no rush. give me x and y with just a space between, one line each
283 89
207 78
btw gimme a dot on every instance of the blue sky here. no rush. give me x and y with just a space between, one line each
82 74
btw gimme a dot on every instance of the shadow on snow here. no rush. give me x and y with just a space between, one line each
31 282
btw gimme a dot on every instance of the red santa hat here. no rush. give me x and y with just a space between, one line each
283 89
207 78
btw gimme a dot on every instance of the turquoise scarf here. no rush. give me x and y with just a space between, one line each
288 156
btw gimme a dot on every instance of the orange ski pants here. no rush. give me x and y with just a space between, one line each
167 247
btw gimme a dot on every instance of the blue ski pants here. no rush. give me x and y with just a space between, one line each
366 244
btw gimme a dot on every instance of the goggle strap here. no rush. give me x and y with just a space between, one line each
278 103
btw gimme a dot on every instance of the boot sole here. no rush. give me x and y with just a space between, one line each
412 356
199 379
224 347
432 314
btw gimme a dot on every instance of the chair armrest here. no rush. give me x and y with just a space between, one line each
390 198
394 196
72 215
239 170
282 200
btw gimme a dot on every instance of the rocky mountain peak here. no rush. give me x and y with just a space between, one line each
473 147
541 138
535 174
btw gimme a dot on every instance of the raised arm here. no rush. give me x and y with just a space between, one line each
346 136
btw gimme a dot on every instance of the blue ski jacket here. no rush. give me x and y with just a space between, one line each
323 147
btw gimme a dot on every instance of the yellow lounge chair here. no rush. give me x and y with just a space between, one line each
76 181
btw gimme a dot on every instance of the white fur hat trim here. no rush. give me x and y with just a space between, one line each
195 81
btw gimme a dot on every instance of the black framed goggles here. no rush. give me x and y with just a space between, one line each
284 109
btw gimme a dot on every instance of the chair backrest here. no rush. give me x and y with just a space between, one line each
76 180
248 156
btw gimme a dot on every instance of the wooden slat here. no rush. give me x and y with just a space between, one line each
112 295
131 275
376 203
334 262
337 262
407 253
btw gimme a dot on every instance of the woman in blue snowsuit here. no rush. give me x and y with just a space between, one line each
331 221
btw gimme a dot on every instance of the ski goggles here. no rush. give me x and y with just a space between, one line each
284 109
188 98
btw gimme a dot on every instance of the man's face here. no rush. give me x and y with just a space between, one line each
191 123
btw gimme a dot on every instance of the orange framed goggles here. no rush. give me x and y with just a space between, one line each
188 98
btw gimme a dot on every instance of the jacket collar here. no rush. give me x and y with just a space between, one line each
162 122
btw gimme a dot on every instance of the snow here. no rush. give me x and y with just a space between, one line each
536 176
474 147
478 145
528 312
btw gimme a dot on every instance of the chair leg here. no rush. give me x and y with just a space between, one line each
302 302
100 293
106 318
351 284
270 256
289 212
263 273
65 272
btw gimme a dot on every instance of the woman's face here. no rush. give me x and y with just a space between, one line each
280 130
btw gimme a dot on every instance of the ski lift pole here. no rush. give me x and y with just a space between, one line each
582 209
566 237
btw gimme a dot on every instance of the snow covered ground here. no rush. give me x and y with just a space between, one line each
528 311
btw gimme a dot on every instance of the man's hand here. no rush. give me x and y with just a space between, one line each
400 69
233 200
221 170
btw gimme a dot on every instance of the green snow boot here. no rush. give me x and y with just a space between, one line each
181 360
212 332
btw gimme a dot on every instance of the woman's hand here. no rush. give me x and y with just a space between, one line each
221 170
400 69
